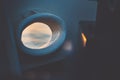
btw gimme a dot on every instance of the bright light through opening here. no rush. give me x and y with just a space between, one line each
84 39
36 36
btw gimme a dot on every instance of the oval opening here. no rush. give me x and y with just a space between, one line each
41 34
36 36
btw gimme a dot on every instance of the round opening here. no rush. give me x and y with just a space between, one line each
36 36
41 34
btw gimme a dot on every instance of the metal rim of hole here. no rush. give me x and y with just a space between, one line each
57 26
